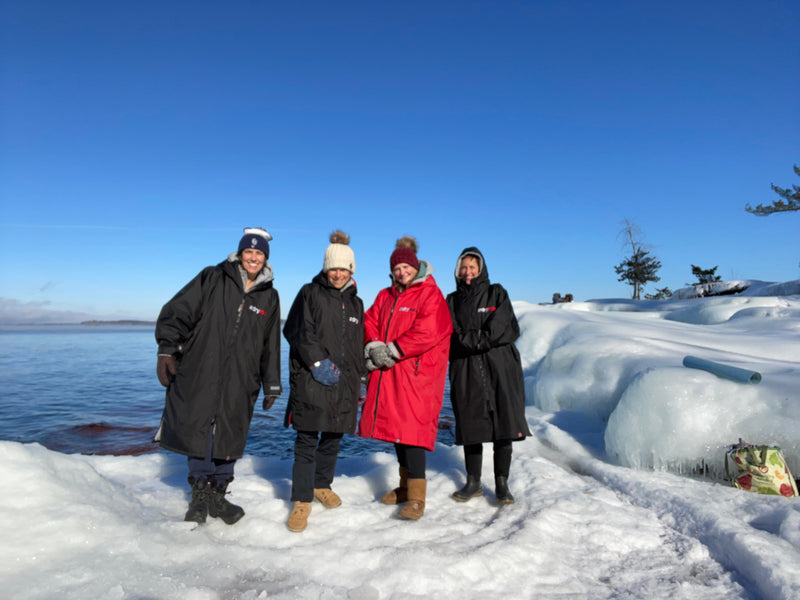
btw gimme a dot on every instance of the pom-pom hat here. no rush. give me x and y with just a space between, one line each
255 237
339 255
405 252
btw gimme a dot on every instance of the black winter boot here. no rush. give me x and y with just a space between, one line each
218 506
198 505
472 489
501 490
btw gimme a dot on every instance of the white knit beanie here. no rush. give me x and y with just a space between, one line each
339 255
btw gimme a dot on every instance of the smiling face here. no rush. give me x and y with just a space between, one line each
338 278
469 269
252 262
404 274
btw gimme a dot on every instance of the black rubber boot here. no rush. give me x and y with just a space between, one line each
198 505
219 507
472 489
501 490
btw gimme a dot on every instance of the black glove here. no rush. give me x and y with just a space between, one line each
268 402
166 369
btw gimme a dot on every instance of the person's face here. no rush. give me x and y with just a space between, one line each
253 261
338 277
404 274
469 269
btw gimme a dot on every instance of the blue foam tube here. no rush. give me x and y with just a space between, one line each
720 370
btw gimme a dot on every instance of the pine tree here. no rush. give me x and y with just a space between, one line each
640 267
705 275
661 294
790 200
637 270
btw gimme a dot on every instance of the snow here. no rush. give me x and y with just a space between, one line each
621 363
607 505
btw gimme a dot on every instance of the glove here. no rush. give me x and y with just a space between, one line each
380 355
268 402
166 369
362 395
325 372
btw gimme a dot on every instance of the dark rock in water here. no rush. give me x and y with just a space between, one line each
104 439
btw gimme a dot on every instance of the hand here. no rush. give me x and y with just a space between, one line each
325 372
268 402
166 369
380 355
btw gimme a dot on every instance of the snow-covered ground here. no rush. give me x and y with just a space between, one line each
607 392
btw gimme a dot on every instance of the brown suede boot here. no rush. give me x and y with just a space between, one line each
327 497
415 507
399 494
299 518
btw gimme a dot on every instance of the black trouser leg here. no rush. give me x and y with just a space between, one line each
216 470
305 451
326 456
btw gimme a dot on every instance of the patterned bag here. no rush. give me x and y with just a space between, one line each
761 469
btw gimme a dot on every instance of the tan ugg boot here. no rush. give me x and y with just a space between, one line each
399 494
415 507
299 518
327 497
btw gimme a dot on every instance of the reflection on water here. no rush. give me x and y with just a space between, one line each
93 390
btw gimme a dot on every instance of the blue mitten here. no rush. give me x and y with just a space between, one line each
362 394
325 372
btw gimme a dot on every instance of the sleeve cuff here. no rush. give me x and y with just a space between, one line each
394 350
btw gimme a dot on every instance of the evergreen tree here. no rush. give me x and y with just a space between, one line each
637 270
705 275
661 294
790 200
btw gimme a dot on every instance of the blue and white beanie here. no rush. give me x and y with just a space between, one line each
255 237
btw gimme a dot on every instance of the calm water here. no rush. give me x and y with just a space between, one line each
93 390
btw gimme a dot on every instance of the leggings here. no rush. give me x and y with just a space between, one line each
473 458
413 458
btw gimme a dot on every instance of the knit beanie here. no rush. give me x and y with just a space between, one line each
405 252
339 255
255 237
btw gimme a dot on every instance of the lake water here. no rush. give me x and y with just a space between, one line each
93 390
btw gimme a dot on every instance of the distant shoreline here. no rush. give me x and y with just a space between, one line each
120 322
92 323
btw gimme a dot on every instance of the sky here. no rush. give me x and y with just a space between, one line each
592 518
138 139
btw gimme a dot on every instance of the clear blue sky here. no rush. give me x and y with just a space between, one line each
139 138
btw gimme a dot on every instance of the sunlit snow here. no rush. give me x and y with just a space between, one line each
611 502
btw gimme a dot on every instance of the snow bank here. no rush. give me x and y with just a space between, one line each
744 287
620 362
